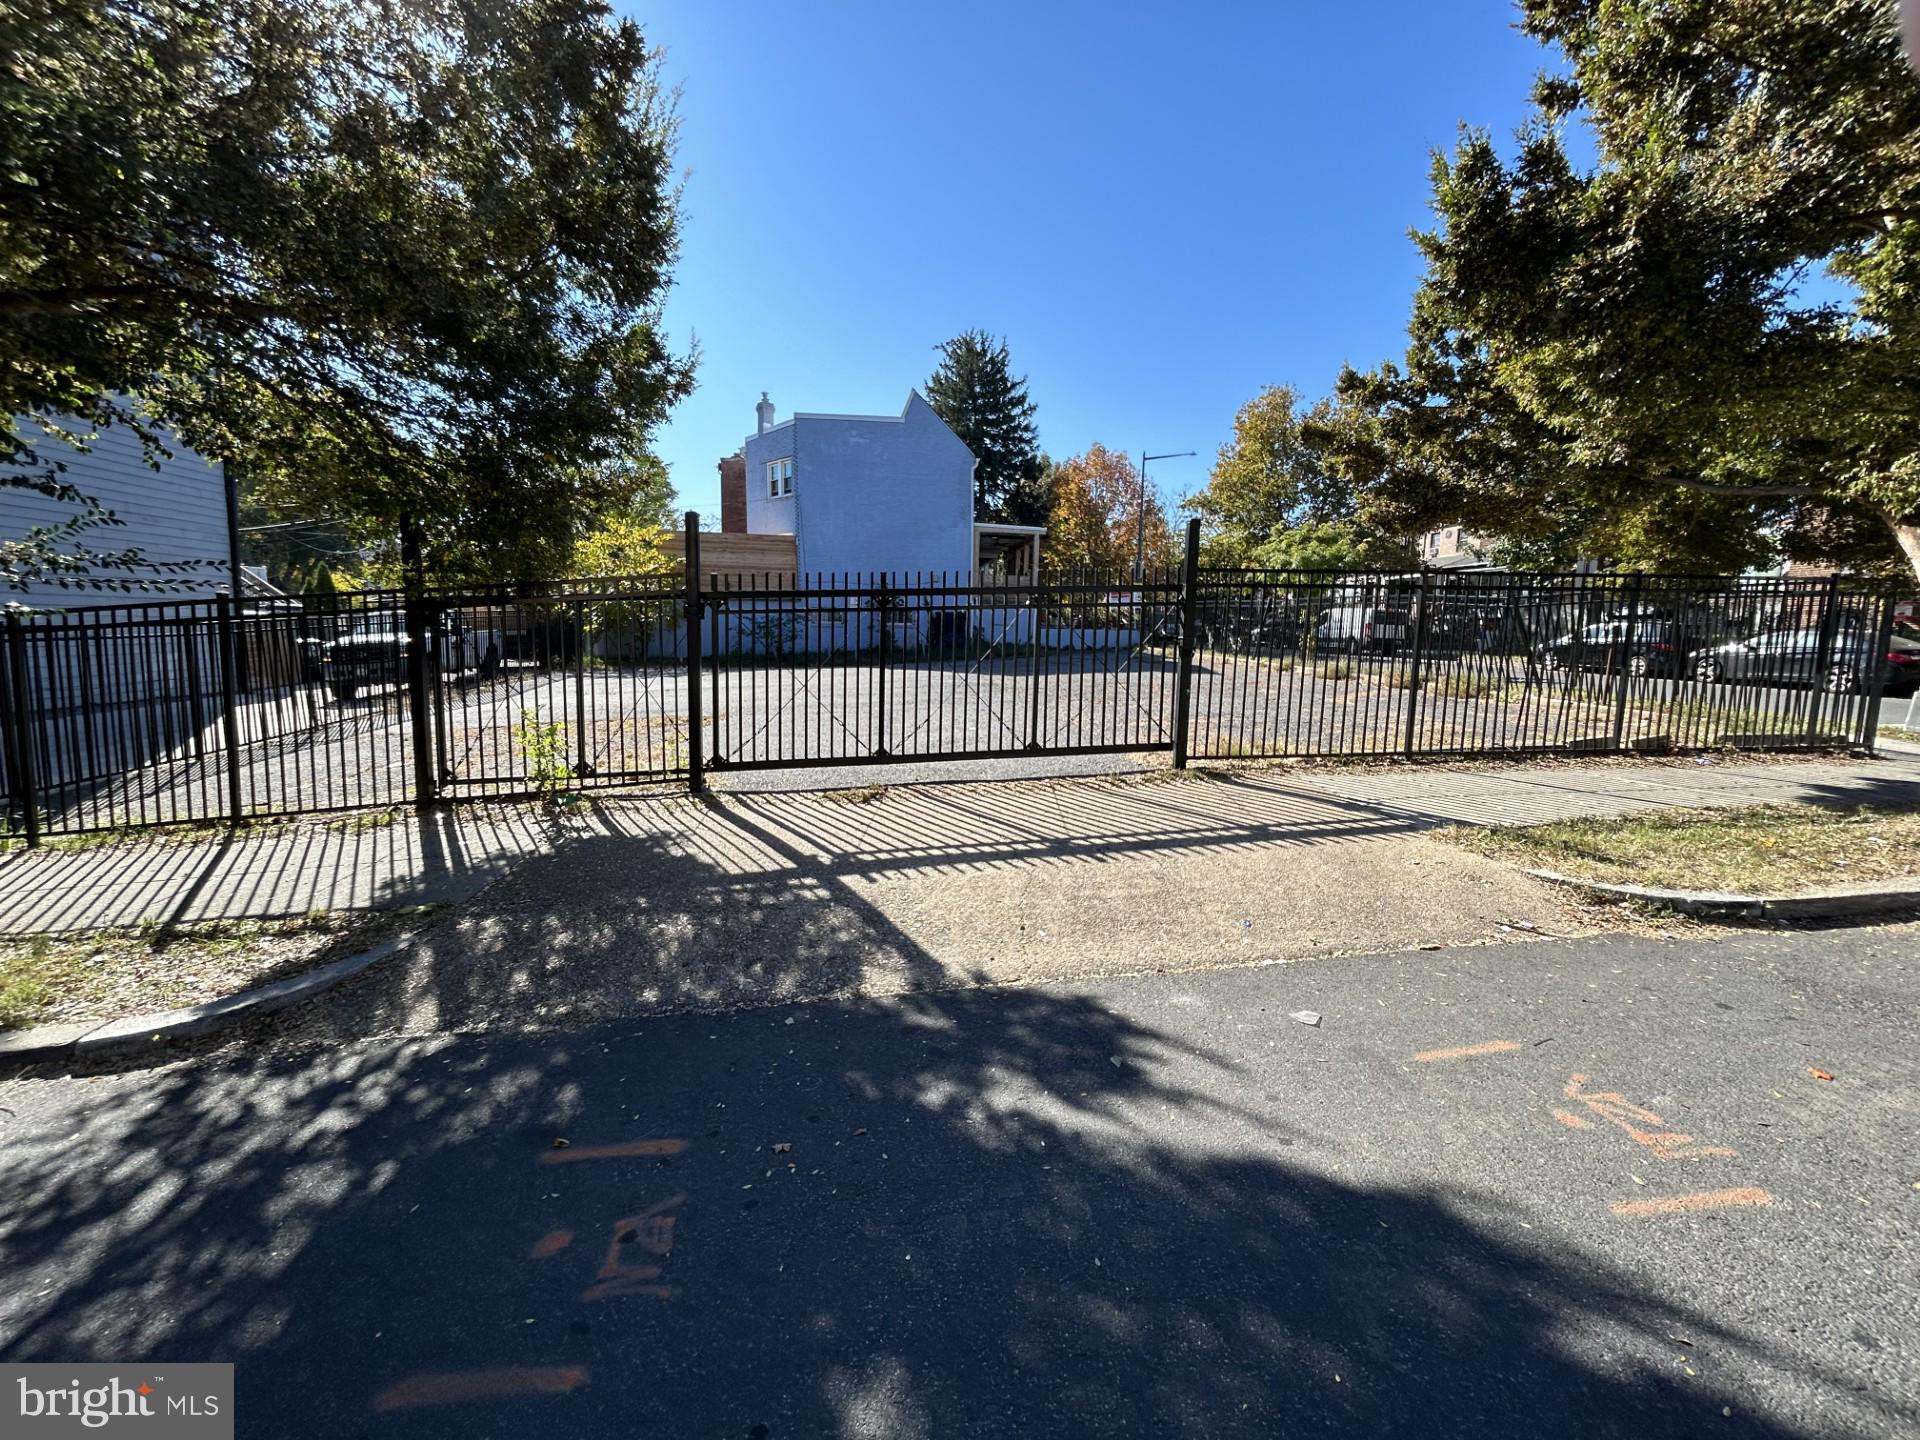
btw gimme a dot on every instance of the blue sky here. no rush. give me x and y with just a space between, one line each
1162 208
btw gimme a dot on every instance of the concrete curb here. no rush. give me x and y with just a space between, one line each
147 1032
1718 904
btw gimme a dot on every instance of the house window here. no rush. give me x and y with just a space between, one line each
779 478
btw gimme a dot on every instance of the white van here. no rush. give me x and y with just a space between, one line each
1353 628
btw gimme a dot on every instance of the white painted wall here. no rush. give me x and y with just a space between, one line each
178 512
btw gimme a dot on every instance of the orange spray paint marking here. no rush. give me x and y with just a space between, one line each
1704 1200
623 1150
552 1243
1640 1124
651 1231
480 1385
1572 1122
1463 1052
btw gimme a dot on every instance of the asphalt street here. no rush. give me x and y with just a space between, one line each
1611 1187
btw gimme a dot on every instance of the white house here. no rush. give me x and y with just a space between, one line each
181 511
874 494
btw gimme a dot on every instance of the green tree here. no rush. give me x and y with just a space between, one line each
1095 520
1703 346
973 389
1277 498
396 263
629 541
1331 545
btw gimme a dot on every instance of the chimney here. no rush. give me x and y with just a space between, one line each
764 410
733 494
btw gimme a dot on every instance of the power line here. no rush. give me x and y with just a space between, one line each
287 525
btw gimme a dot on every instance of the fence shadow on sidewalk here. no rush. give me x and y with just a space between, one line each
365 861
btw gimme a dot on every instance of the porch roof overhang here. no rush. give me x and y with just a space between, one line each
993 542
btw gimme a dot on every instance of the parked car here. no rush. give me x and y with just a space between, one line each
1248 625
1657 647
1354 628
539 635
373 652
1792 657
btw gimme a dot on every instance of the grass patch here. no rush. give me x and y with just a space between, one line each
105 974
1456 684
1336 670
371 820
1752 850
1899 732
859 795
33 975
192 832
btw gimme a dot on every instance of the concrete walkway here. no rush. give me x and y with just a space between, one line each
1146 821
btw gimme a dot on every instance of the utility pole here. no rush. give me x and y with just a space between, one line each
1140 520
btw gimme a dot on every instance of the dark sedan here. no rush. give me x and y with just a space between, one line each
1792 657
1656 648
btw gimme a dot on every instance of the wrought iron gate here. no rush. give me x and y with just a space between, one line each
891 669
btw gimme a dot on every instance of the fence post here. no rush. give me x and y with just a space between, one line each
881 607
1419 649
1626 660
20 773
580 685
1189 622
229 701
413 576
696 751
1823 658
418 702
1877 686
1036 603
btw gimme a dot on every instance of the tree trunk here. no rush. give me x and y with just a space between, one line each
1907 535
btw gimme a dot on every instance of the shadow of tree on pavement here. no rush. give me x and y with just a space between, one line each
984 1213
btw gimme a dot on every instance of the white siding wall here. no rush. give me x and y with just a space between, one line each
178 512
767 515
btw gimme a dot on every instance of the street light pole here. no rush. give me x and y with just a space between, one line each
1140 520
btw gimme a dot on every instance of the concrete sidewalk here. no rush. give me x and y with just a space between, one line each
648 908
1144 823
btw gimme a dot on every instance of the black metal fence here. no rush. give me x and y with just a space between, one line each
173 711
918 666
1430 663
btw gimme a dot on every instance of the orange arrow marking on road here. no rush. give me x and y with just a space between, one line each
621 1150
480 1385
1702 1200
1464 1052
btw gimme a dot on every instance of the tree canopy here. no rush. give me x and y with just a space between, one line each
1701 347
974 390
397 262
1096 513
1276 497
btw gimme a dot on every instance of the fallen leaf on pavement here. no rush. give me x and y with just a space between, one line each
861 1131
783 1147
559 1143
1819 1074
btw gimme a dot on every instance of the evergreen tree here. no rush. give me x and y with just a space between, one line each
974 391
1616 355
